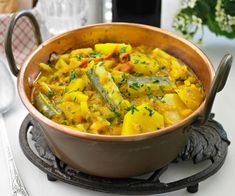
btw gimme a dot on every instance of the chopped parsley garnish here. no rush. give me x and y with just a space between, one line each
79 57
161 88
64 123
112 78
135 86
50 93
162 67
94 54
132 108
73 75
151 112
149 93
117 114
143 62
156 81
136 61
123 81
123 49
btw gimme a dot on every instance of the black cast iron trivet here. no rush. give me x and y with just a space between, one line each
208 142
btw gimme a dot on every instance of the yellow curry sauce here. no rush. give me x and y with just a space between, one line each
116 89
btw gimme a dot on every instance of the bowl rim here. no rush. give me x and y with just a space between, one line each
109 138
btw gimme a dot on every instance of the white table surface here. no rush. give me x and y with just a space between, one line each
222 183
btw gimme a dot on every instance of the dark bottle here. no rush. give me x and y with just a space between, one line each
137 11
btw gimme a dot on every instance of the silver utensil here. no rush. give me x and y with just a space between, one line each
7 93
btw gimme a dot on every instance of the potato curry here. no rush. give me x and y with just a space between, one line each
116 89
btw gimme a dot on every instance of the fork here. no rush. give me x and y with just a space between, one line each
7 94
17 186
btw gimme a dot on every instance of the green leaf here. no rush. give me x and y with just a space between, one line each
132 108
73 75
206 11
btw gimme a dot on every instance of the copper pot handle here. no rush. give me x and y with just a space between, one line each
218 84
9 33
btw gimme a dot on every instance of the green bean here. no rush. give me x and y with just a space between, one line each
108 90
157 85
44 105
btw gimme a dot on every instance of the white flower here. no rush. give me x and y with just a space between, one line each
196 21
188 3
188 21
225 21
188 25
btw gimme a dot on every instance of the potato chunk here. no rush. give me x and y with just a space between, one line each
191 95
76 84
72 112
142 119
173 109
144 64
76 97
109 48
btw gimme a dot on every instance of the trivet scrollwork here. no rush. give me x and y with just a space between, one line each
207 142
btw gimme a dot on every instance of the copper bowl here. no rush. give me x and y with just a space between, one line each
117 156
